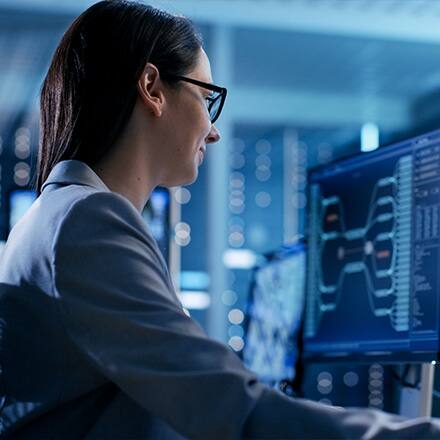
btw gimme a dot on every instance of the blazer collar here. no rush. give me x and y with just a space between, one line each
68 172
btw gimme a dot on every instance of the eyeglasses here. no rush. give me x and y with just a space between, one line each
215 101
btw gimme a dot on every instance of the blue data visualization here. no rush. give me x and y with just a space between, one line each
373 253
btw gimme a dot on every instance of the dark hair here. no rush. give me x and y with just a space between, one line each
90 89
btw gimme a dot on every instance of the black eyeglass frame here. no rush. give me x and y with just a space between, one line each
223 92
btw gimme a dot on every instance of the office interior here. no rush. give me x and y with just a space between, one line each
312 85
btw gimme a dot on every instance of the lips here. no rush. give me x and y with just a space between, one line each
202 152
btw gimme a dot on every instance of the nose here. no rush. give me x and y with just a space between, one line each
213 136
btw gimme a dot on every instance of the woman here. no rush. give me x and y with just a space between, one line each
94 342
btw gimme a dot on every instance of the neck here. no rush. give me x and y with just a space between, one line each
126 174
130 168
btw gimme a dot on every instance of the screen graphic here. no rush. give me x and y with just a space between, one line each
374 222
156 215
274 317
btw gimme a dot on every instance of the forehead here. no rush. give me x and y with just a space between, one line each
202 70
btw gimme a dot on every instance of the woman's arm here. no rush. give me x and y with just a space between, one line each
120 309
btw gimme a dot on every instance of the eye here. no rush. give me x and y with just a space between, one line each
209 99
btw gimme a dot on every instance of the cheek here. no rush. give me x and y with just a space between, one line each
197 130
192 128
200 118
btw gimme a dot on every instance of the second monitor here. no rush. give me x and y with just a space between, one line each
274 316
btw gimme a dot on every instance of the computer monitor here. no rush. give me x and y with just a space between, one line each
157 215
20 200
274 316
374 255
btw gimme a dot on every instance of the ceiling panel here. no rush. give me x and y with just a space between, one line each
322 63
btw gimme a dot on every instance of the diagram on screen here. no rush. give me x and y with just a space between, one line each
375 253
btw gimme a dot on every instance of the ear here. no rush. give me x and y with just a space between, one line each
150 88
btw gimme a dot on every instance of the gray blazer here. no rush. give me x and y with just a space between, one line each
94 342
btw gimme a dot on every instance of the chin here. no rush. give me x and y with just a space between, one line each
188 179
193 178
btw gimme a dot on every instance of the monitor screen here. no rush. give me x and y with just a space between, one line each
157 215
274 316
373 254
20 200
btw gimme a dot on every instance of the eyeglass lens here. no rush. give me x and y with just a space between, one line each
215 106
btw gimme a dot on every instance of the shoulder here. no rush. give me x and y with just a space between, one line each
102 203
102 245
101 215
103 230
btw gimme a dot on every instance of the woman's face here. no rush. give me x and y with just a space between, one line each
189 128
